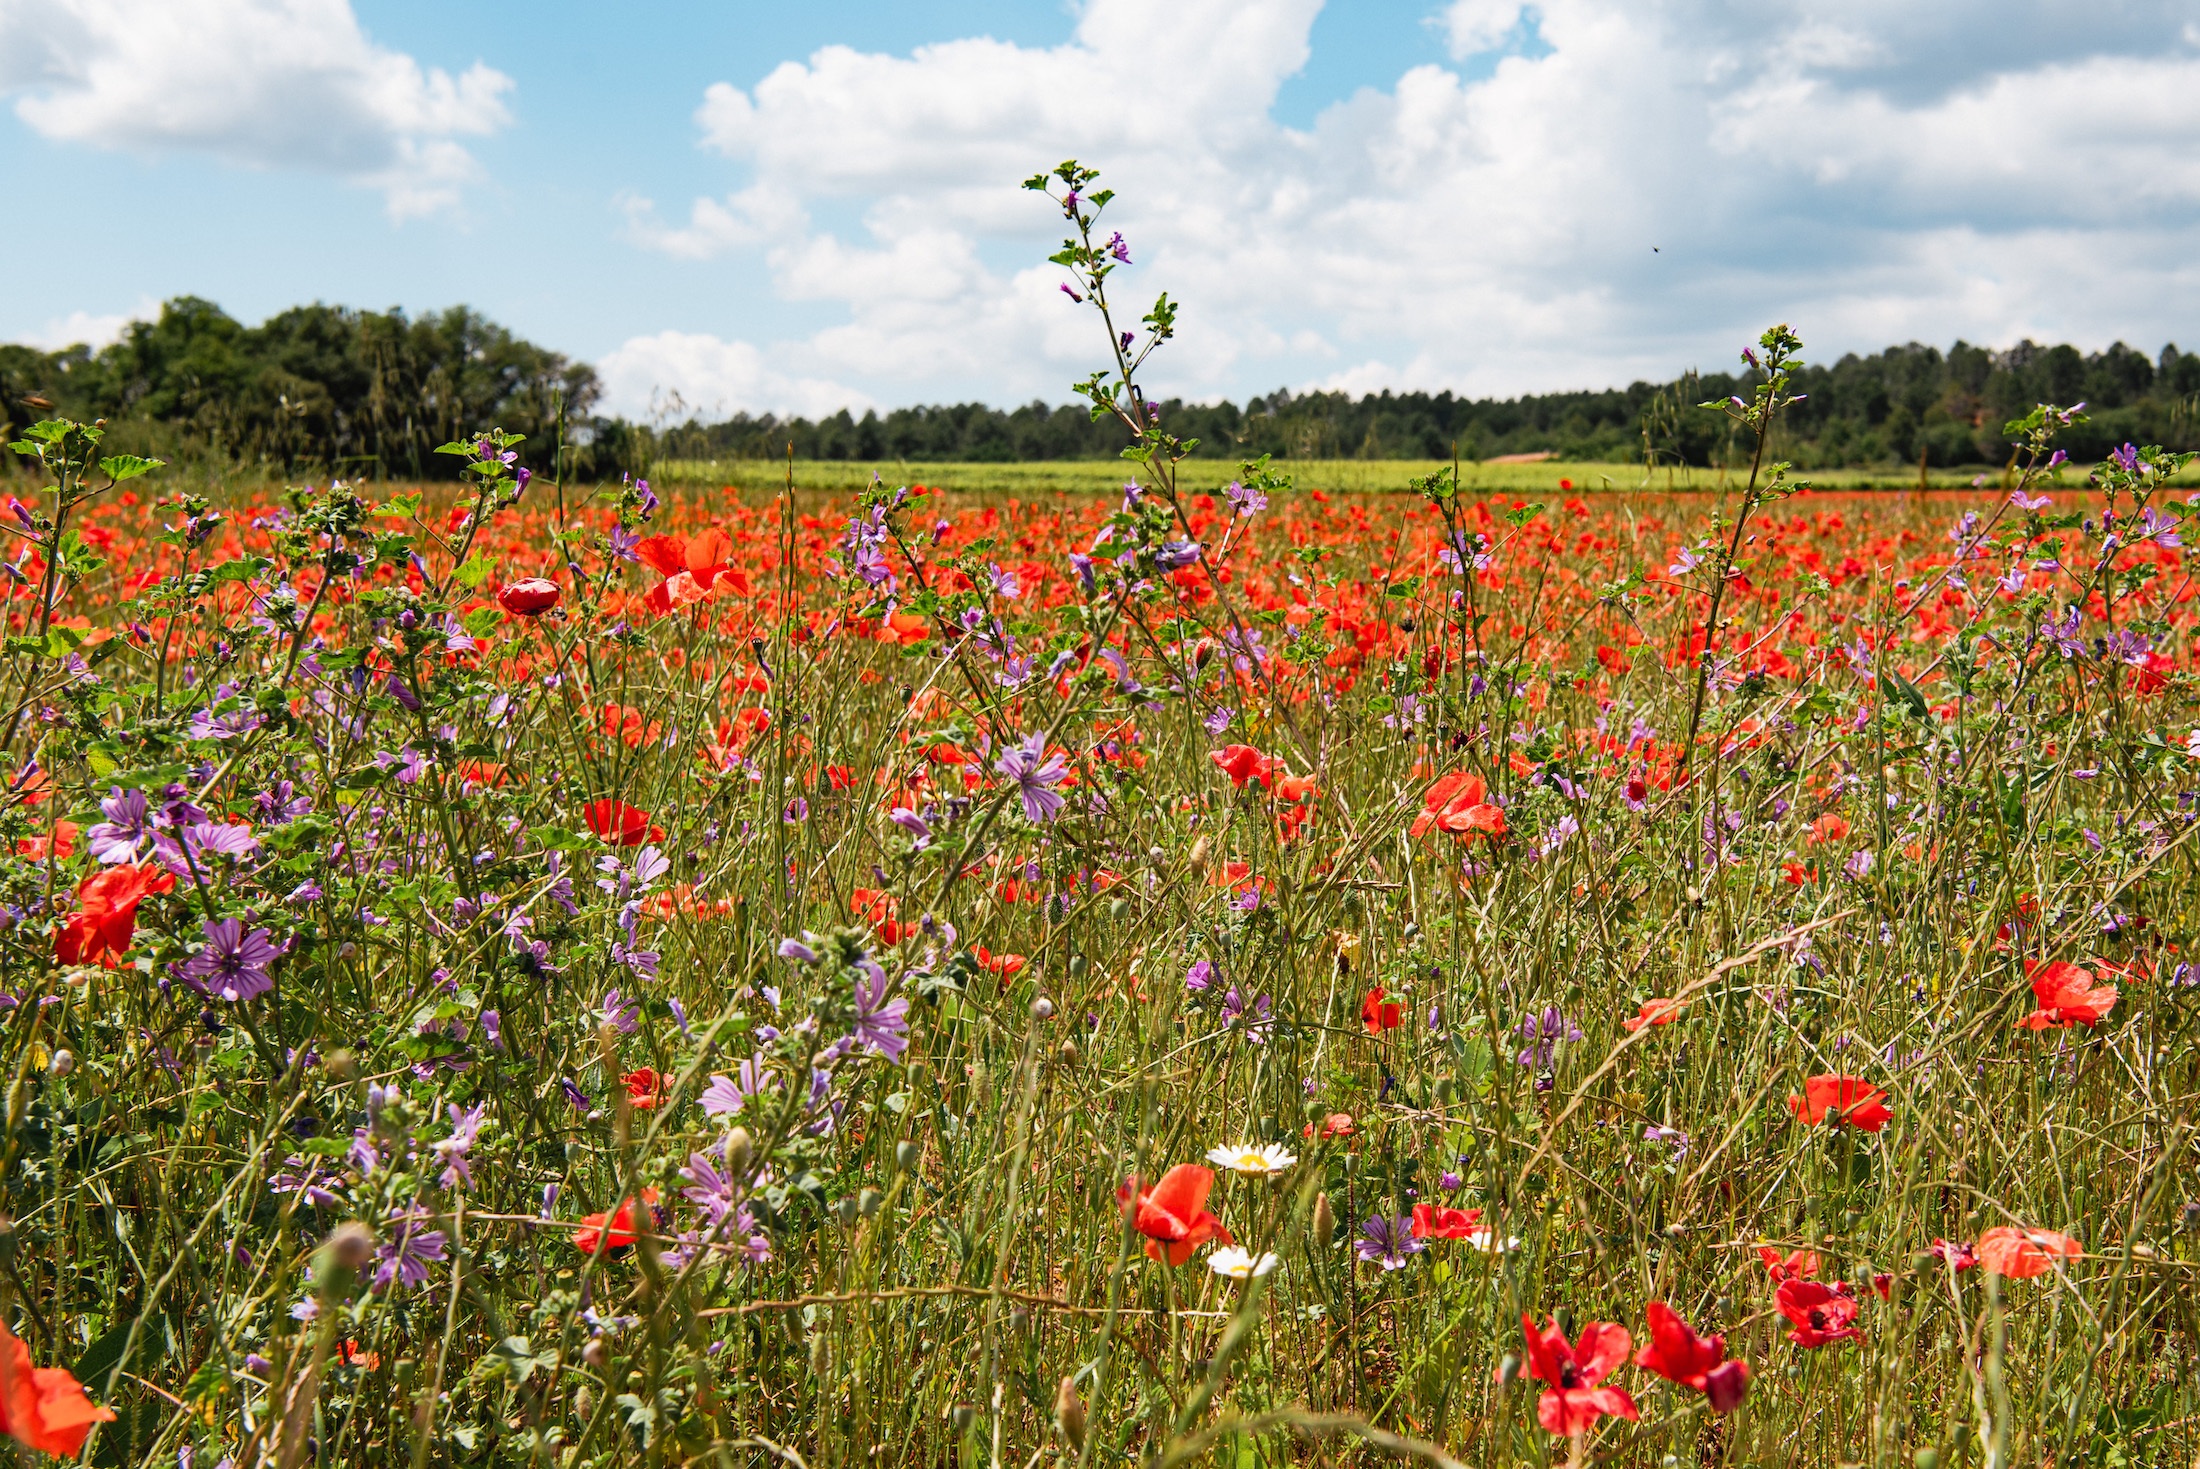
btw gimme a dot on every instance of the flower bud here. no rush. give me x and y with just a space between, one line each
529 597
963 1415
62 1064
1069 1414
1325 1220
584 1403
906 1154
738 1148
1042 1008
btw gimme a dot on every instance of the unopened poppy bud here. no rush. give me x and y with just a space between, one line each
1203 652
963 1415
1117 907
1042 1008
584 1403
530 597
62 1064
349 1248
1069 1414
594 1354
1324 1221
1725 1385
738 1148
906 1154
1199 853
847 1209
1068 1052
868 1202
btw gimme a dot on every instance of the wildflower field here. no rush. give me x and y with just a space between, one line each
1209 973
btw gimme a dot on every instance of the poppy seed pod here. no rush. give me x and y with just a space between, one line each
529 597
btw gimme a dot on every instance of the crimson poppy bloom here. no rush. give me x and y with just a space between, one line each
1434 1221
1575 1371
1831 827
1801 1265
2068 996
1458 804
621 824
1821 1314
1175 1213
1959 1256
44 1407
1655 1012
1336 1124
1379 1014
1681 1357
1842 1099
1005 965
645 1089
101 929
1243 763
601 1233
2022 1254
692 567
529 597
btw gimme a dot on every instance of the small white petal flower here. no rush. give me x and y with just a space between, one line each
1252 1160
1489 1243
1237 1264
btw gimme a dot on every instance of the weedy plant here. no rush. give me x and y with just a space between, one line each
1214 975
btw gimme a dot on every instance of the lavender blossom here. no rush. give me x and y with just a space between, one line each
233 964
1389 1241
1036 773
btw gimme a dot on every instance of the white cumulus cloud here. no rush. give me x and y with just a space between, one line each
89 328
1870 170
290 84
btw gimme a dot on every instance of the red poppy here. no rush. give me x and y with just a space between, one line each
1960 1256
1336 1124
2024 1253
44 1407
1575 1399
1822 1314
530 597
1457 804
1680 1356
1831 827
1656 1012
1433 1221
602 1233
621 824
692 568
62 843
645 1089
99 932
1243 763
1175 1213
353 1355
1849 1099
1801 1265
1005 965
839 777
877 909
2068 996
1379 1014
2153 676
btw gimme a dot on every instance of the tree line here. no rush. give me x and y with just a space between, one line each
371 394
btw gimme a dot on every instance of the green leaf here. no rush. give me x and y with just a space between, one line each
1908 695
120 467
482 621
477 569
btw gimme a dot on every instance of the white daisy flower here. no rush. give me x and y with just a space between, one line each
1251 1160
1237 1264
1488 1242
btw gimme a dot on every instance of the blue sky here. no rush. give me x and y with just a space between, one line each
794 207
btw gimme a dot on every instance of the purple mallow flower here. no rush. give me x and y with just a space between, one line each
1036 773
1389 1241
233 964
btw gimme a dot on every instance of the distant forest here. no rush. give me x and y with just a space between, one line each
329 389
